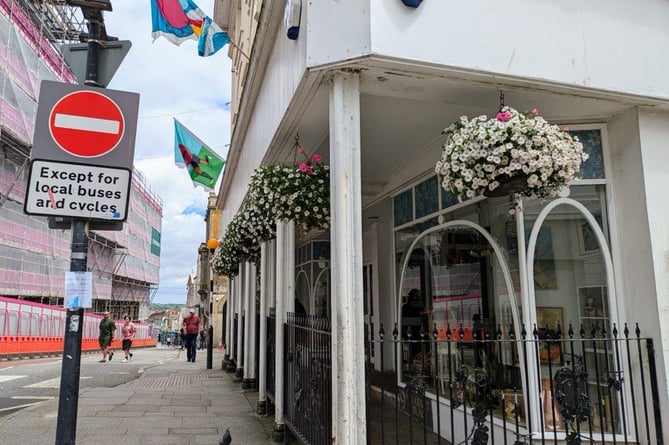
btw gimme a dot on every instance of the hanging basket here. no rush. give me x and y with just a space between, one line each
508 185
510 153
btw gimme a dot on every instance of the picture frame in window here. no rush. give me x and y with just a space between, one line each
549 320
587 240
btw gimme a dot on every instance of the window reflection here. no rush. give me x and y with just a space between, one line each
454 295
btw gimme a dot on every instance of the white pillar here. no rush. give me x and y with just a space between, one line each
262 354
289 263
229 347
280 319
240 313
271 274
348 372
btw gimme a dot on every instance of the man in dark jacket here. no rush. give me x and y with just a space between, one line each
107 328
191 325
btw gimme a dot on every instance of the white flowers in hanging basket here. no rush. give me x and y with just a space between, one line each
300 193
511 153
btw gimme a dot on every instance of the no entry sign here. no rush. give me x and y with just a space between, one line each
87 124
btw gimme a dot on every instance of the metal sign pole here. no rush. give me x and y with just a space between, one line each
66 429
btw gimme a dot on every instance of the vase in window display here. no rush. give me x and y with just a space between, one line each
552 418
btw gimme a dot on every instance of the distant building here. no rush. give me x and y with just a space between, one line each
34 258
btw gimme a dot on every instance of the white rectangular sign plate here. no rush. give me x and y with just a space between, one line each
76 190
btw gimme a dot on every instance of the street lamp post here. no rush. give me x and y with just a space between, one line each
212 244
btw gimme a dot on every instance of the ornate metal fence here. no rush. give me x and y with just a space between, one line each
232 363
270 344
489 386
308 412
460 386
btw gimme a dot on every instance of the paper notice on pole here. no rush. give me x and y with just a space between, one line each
78 289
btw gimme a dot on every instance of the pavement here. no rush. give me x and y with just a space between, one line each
172 402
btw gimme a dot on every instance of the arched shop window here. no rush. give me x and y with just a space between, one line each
458 266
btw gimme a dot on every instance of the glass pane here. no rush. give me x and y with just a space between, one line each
593 168
403 208
571 292
302 289
427 197
450 288
448 199
321 250
322 291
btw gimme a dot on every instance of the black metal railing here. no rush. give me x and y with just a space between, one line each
479 386
239 372
232 363
308 407
270 344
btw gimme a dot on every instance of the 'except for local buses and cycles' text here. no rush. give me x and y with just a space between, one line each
89 189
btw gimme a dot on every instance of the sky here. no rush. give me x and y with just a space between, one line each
173 82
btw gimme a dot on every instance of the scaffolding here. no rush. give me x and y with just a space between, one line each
34 258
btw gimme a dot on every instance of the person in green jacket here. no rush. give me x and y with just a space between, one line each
107 328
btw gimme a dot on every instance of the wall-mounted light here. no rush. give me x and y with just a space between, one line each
292 16
412 3
212 244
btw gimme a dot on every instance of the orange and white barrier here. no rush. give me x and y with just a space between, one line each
29 330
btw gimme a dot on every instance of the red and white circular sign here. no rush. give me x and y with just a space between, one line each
86 123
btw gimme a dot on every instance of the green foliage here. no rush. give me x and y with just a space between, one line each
277 192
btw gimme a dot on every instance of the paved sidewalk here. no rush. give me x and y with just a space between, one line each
175 402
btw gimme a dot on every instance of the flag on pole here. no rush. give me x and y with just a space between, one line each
203 164
181 20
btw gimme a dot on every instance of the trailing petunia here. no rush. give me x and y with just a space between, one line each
300 193
480 153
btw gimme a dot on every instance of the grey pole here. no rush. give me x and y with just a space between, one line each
66 428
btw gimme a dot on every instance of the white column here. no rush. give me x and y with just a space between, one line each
348 372
289 262
240 312
262 354
248 315
271 274
280 319
531 384
229 347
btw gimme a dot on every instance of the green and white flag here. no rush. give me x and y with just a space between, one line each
203 164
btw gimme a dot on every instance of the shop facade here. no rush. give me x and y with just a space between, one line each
402 251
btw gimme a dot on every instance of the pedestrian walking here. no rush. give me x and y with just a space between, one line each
107 328
127 336
191 326
182 338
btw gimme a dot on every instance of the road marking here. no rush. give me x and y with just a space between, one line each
51 383
8 367
26 405
84 123
31 397
6 378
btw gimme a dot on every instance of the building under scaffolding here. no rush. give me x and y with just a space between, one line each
33 257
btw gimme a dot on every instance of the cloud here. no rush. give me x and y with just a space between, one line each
173 81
